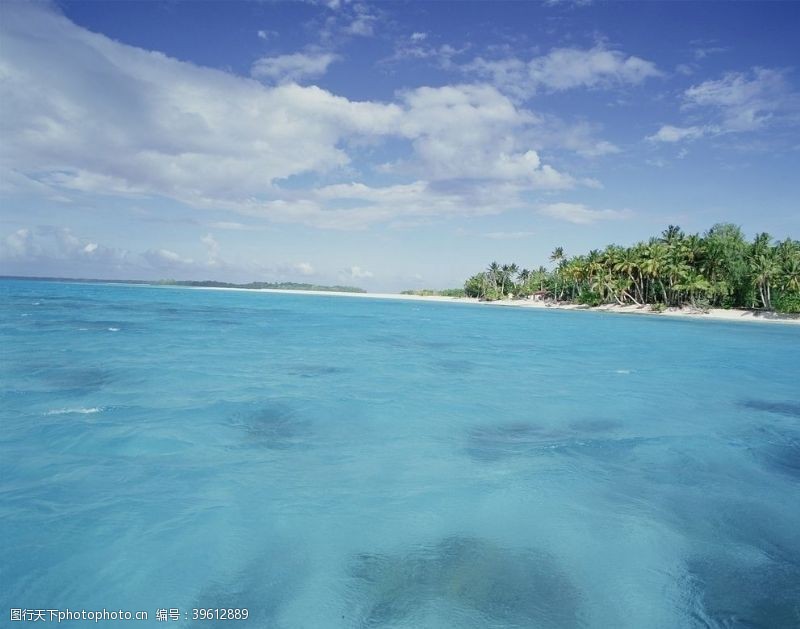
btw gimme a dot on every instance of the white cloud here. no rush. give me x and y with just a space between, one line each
357 273
473 131
229 225
563 69
703 52
55 243
363 21
292 68
18 244
212 247
669 133
441 55
304 268
581 137
580 214
83 114
160 258
738 102
566 68
744 102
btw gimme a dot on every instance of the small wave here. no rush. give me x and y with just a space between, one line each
76 411
623 371
113 329
83 329
36 303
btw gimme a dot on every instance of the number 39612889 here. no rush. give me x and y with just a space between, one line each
212 613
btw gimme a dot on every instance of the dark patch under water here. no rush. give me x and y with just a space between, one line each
275 426
792 409
470 577
315 371
783 458
262 588
503 440
455 365
78 381
499 441
736 594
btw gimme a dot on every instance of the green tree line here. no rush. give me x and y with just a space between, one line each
720 269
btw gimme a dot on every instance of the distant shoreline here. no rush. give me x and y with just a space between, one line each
715 314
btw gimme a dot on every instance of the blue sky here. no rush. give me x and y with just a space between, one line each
386 145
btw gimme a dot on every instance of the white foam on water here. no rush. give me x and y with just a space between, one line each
113 329
623 371
77 411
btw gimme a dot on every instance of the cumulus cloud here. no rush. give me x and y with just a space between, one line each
84 114
563 69
467 131
293 68
580 214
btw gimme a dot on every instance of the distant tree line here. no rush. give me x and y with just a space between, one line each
429 292
718 269
261 285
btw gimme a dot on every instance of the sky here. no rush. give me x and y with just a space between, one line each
388 145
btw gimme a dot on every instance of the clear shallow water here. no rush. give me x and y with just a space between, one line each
334 462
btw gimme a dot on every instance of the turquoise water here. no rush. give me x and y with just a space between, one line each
340 462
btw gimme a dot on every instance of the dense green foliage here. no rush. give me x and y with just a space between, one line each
718 269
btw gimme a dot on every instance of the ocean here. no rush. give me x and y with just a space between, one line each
328 461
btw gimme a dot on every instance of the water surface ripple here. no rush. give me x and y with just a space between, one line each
334 462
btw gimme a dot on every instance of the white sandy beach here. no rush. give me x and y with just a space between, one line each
718 314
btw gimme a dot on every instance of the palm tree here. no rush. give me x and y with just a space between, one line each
790 277
556 257
523 277
693 283
492 276
672 234
627 263
653 264
765 270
